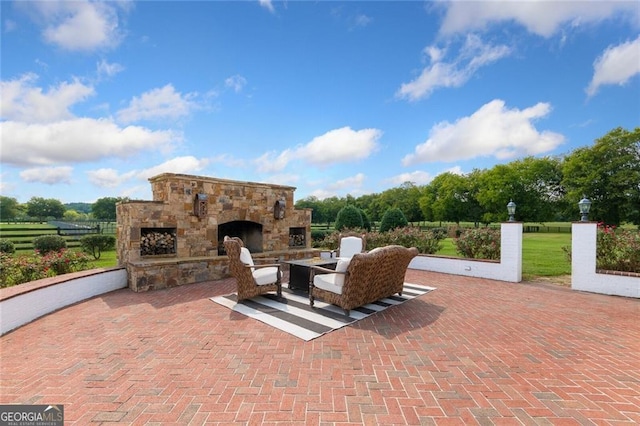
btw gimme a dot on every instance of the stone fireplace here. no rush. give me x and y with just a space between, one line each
177 237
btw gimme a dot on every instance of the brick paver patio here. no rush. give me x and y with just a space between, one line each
474 351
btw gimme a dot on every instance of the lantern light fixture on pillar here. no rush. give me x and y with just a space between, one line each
511 209
584 205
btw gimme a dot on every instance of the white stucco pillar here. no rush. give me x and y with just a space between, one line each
583 252
511 250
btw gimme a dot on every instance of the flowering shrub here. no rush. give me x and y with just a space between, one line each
618 249
426 242
30 267
479 243
65 261
47 243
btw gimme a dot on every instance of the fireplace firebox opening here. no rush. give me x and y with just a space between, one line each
249 232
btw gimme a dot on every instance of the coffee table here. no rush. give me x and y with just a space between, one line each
300 271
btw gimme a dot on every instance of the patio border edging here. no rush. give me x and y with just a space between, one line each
584 273
509 268
21 304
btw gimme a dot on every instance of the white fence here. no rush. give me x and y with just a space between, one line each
584 237
508 269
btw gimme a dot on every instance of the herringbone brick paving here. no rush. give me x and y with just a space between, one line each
474 351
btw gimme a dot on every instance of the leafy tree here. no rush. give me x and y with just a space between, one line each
8 208
392 219
105 208
364 203
79 207
608 173
349 217
496 187
448 198
42 208
96 244
332 206
366 223
319 210
540 185
72 215
406 197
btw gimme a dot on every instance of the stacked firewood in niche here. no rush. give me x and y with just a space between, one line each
296 240
154 243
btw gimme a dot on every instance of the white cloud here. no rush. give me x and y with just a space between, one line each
351 182
48 175
77 140
544 18
456 170
111 178
336 146
187 164
78 25
236 82
418 177
267 4
617 65
272 162
349 185
105 69
286 179
362 20
340 146
473 55
321 194
493 130
157 104
228 160
21 100
108 178
6 187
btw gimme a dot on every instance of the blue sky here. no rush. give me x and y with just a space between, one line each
333 98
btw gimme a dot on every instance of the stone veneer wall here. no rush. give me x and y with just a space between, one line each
196 258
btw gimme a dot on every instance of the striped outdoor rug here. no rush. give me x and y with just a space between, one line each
292 313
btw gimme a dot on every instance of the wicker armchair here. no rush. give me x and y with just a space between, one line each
365 278
349 244
252 280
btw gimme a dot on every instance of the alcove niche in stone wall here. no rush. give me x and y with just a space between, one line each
249 232
297 237
157 241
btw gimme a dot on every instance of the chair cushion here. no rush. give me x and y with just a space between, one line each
343 264
329 282
350 246
245 256
264 276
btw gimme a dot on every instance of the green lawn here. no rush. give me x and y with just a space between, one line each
542 255
107 260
